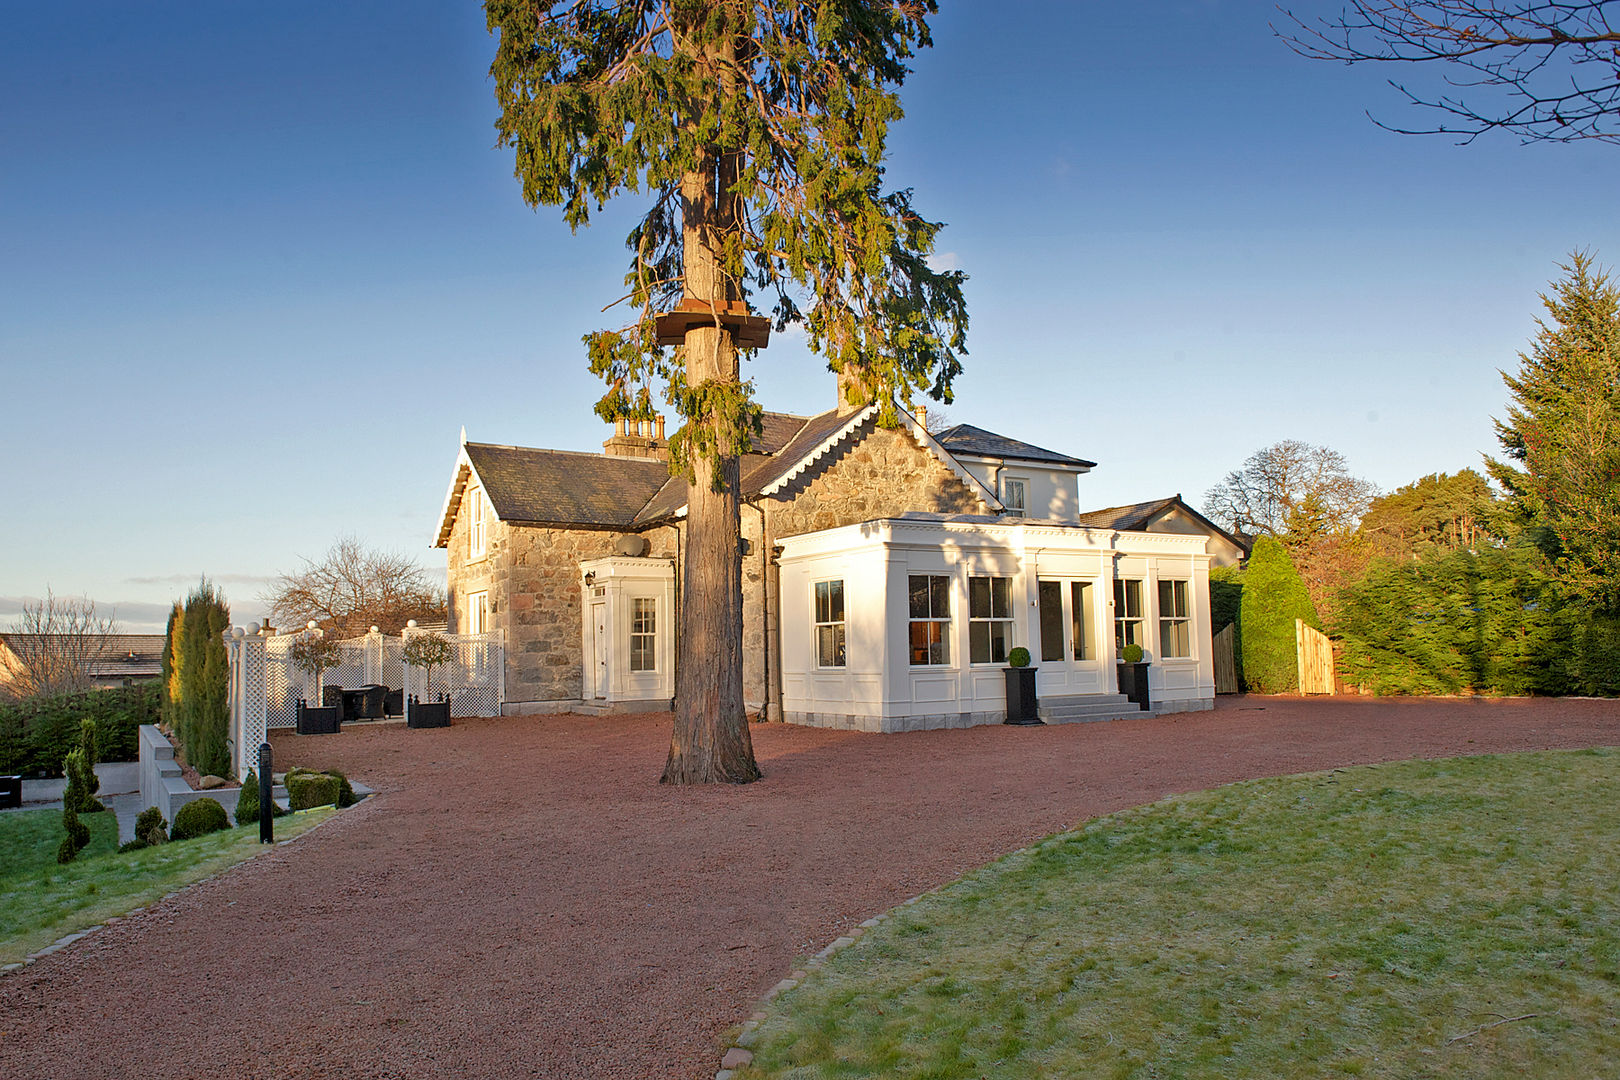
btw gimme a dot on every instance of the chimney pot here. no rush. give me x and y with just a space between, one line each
659 424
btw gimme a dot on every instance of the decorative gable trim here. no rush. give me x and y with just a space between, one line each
918 432
458 487
947 459
848 428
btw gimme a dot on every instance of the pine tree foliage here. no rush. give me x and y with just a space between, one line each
1561 437
73 797
1273 597
202 668
756 129
782 109
1439 512
173 664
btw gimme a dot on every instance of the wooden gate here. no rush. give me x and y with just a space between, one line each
1315 659
1226 680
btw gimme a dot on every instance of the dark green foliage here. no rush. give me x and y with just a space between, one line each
199 818
306 789
150 828
1131 654
203 717
1439 512
247 802
134 845
1492 622
1273 596
78 834
1019 657
724 95
36 734
1561 437
89 783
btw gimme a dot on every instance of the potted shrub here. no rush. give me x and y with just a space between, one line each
315 654
1023 707
1133 676
427 651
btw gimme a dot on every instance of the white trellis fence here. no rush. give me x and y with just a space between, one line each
265 685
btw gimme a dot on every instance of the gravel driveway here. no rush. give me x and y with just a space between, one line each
522 899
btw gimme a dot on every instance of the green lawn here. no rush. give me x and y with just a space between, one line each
41 901
1367 922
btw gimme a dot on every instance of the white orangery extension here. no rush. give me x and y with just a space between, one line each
905 623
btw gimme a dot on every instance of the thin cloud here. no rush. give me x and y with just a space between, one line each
192 579
942 261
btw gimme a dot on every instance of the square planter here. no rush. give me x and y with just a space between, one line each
324 721
419 714
1023 707
1133 683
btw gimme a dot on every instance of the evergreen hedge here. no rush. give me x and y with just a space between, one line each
1273 596
198 697
1491 621
36 734
198 818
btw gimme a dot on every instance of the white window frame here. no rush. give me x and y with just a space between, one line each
830 631
477 524
1018 507
1177 623
1123 619
938 645
644 634
478 612
990 621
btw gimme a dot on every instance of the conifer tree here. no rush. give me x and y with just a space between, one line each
73 797
1274 595
172 638
1562 435
204 713
758 130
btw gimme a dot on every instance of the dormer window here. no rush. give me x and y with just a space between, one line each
477 531
1012 496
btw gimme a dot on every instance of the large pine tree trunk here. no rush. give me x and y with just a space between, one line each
711 741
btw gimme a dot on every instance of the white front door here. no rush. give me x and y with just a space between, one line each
1070 647
599 649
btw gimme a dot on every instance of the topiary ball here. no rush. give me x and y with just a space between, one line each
1131 654
199 818
150 828
1019 657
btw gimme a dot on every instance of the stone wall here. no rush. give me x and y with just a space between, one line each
463 575
875 473
537 602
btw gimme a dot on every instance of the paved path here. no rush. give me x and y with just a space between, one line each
522 899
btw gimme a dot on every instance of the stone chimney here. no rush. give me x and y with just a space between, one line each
638 439
849 384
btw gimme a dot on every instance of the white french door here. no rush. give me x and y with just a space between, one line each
1069 650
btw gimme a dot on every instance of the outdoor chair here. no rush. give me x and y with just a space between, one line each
364 702
394 703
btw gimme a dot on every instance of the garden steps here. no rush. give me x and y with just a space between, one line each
1089 708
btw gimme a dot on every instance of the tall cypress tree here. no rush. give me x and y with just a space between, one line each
1562 435
204 711
758 128
1274 596
172 637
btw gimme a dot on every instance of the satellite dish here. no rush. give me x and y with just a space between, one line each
630 545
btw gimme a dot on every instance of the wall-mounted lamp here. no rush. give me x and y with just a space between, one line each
590 576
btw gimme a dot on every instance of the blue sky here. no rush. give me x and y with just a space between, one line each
260 263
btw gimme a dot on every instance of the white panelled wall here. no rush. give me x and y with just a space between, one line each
879 687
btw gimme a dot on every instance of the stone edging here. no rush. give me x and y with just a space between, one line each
740 1052
63 942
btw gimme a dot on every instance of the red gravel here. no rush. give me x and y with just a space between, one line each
523 899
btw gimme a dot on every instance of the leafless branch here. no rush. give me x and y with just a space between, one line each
1545 70
53 644
352 588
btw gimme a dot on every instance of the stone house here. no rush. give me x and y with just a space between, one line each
574 558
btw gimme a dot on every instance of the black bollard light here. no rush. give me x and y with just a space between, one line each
267 806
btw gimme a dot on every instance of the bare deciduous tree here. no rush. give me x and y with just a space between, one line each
351 588
53 643
1545 70
1290 487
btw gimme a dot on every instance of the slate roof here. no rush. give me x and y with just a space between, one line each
562 487
121 655
967 439
1136 516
